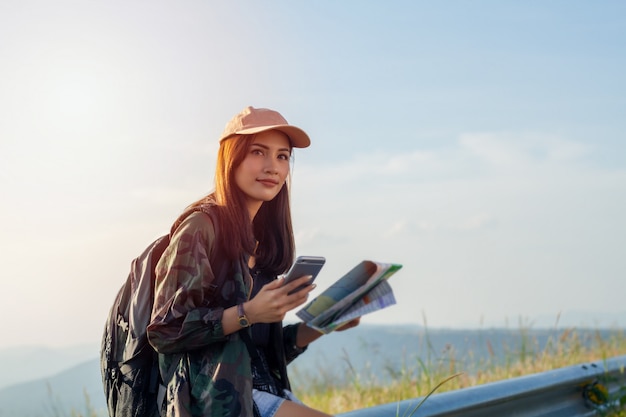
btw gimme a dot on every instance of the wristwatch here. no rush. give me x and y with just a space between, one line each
243 320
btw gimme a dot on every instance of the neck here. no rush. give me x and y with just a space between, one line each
253 209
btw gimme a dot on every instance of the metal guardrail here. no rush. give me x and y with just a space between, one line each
579 390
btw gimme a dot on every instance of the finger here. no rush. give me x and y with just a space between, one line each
277 283
300 297
295 304
302 291
302 281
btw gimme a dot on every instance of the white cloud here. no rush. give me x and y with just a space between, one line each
475 155
513 150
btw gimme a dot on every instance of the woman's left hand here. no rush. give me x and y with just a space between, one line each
352 323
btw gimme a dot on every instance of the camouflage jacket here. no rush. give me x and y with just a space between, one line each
205 372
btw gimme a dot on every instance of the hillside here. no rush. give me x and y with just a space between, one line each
55 396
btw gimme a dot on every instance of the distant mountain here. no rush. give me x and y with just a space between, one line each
27 363
366 352
56 396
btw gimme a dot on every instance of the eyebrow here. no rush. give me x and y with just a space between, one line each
268 148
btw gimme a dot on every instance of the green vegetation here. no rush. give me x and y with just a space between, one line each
418 377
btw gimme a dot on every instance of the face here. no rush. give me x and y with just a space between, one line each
265 168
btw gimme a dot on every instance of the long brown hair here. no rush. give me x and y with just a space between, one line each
271 227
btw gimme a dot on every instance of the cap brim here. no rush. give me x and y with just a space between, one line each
297 136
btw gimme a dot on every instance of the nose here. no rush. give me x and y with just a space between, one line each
270 167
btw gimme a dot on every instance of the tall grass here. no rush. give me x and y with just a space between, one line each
418 376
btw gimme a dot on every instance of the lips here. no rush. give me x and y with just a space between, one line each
269 182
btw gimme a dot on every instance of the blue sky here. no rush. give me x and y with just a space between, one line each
481 144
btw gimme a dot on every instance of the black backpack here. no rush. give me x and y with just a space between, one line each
128 363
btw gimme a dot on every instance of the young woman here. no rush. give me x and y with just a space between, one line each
201 328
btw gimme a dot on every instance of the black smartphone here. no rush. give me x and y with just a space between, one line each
304 265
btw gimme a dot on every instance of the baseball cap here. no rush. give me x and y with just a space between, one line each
254 120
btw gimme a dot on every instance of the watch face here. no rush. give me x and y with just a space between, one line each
243 320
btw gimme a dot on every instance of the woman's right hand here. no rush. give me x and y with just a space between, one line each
273 301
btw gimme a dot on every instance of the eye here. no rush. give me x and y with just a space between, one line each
284 156
256 151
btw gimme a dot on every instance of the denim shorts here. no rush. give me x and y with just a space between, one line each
268 404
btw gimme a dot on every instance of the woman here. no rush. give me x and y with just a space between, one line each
199 328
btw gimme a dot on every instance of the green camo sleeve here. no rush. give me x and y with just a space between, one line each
183 318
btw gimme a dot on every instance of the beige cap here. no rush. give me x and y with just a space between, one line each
252 120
